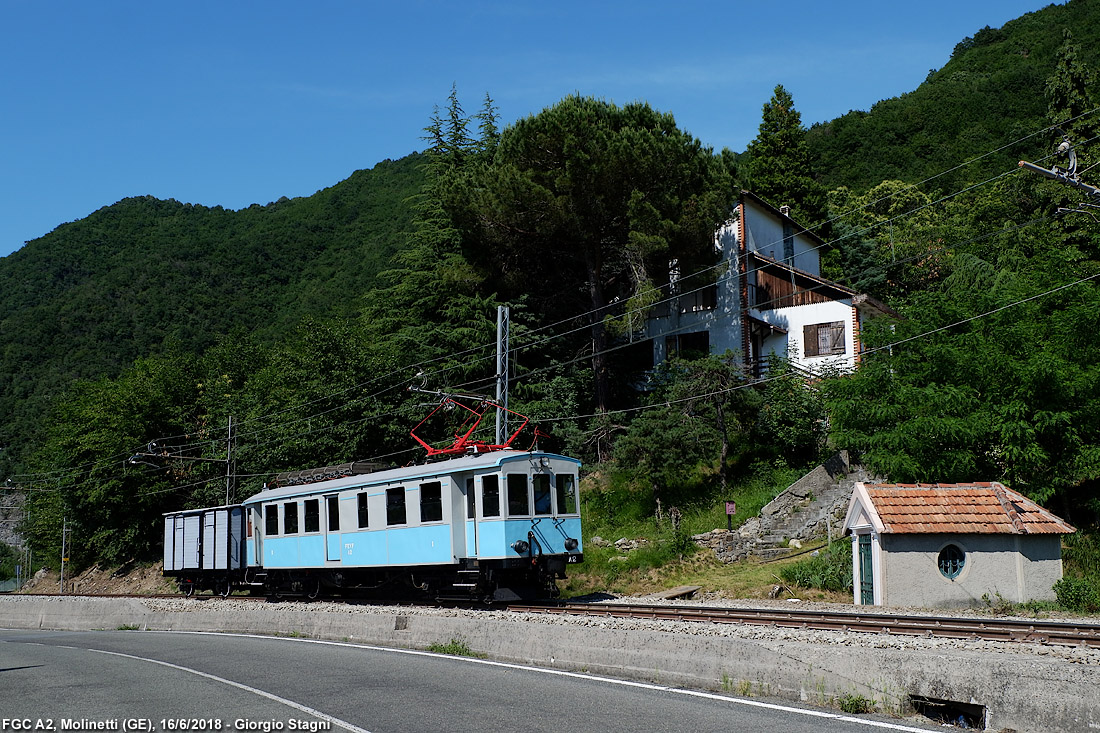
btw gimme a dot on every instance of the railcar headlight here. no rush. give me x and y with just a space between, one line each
570 543
521 546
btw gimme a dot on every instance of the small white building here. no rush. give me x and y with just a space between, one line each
768 298
951 545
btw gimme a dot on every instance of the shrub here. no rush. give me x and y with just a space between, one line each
1078 594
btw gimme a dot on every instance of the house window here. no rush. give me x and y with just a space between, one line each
951 561
823 339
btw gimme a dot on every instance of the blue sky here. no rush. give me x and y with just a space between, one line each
234 103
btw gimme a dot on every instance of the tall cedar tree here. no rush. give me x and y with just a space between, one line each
780 163
586 203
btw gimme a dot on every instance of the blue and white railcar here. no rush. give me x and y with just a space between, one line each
497 525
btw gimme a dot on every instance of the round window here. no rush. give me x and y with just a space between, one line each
951 561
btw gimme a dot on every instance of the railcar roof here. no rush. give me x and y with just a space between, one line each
398 475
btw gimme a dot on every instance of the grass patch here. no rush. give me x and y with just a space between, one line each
129 627
613 508
455 648
854 704
746 579
830 569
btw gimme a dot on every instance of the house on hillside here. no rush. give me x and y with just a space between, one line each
769 298
944 545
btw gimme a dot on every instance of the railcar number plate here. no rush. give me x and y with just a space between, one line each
574 559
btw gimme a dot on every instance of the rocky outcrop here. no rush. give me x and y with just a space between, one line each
811 508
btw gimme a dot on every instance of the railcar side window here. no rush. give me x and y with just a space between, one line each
471 505
517 495
271 520
541 482
431 502
332 506
567 493
490 496
364 518
290 517
312 517
395 506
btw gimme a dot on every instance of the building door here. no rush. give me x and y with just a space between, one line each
866 572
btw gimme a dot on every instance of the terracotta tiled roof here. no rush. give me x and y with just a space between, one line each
978 508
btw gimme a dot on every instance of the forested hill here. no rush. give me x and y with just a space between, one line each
989 93
91 296
141 275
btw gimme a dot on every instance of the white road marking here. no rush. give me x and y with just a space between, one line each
255 691
578 675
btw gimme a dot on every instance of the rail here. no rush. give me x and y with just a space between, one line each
1008 630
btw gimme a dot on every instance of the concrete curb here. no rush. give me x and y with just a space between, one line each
1021 692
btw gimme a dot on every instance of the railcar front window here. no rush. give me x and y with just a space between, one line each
271 520
395 506
518 504
332 506
312 515
567 493
431 502
541 482
290 517
490 496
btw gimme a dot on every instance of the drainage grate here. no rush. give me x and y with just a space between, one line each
962 714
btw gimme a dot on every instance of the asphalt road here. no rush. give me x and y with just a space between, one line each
143 681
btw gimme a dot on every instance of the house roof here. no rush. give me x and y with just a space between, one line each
976 508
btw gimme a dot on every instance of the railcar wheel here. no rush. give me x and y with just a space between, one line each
225 589
314 590
188 589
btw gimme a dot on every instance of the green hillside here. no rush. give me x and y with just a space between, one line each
89 298
989 93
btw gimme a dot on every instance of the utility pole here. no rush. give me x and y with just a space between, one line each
1070 178
64 550
229 462
503 323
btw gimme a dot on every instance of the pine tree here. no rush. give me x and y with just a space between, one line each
780 166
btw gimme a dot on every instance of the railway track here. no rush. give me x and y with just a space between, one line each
1064 633
1033 631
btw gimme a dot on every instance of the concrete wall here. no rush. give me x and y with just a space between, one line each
1015 567
794 319
1023 691
764 234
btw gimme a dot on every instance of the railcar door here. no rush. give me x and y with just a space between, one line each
471 518
332 527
